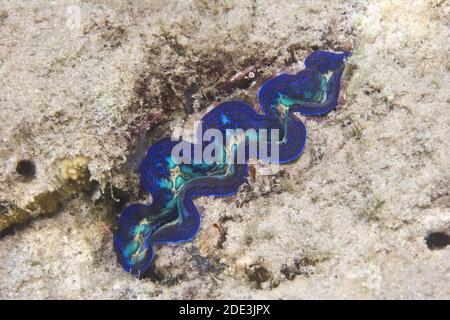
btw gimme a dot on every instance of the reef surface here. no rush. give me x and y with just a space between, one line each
86 87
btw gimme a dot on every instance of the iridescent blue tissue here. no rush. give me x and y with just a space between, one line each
172 216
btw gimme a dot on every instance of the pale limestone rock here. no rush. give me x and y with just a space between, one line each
347 220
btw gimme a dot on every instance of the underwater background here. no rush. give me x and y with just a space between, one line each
87 86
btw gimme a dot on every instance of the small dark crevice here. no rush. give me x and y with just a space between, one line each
26 168
437 240
257 274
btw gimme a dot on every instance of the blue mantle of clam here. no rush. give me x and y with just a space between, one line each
172 216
